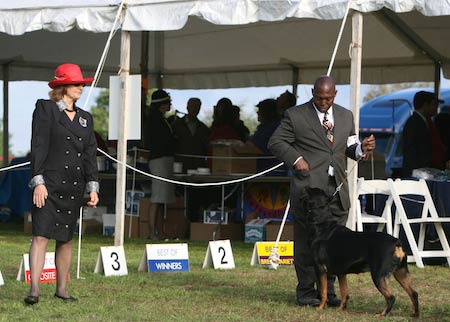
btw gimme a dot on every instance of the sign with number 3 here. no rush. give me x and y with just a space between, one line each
111 261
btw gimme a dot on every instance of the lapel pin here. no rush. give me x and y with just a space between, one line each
83 122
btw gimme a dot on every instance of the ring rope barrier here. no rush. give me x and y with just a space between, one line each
183 183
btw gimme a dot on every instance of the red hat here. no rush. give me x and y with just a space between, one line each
67 74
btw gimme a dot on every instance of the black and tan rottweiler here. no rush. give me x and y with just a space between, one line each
339 251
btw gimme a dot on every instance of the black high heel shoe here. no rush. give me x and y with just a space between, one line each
69 299
31 300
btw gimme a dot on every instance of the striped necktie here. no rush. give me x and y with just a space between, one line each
328 126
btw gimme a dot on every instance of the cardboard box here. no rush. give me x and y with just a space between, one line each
178 204
90 227
204 232
175 225
215 217
255 230
144 209
273 228
144 229
27 226
228 165
109 224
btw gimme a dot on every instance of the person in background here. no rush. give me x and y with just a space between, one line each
63 162
308 141
442 121
223 104
284 101
422 145
269 120
161 143
223 127
192 137
241 129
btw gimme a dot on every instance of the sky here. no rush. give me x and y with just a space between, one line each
24 94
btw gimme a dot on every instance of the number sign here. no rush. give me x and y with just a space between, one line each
219 255
111 261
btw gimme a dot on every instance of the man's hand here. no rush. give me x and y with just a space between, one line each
93 199
368 145
301 165
40 193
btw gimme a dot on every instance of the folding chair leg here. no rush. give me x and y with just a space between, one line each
421 241
443 239
413 245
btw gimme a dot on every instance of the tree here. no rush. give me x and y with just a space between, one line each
1 139
100 113
379 90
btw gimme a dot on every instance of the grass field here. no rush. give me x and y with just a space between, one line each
247 293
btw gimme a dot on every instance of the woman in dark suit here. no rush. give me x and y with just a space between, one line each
63 159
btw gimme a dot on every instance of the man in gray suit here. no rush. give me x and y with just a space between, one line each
316 138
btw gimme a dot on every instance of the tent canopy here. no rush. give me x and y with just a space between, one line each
227 43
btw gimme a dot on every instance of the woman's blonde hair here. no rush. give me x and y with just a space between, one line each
57 93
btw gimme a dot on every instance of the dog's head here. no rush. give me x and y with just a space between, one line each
315 203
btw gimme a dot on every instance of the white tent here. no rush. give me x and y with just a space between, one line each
227 43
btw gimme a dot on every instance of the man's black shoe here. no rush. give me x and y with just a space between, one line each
333 301
308 302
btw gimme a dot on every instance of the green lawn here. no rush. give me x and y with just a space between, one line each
246 293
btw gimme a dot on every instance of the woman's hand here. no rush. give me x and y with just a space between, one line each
40 193
93 199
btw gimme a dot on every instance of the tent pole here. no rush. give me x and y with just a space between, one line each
122 142
294 80
5 114
355 93
144 75
437 79
159 58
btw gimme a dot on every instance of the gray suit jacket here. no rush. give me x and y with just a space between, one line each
301 134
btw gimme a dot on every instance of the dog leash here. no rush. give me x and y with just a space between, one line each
338 188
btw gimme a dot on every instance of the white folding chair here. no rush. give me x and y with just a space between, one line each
400 189
374 187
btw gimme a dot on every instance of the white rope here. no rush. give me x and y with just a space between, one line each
15 166
104 54
206 184
336 46
274 257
